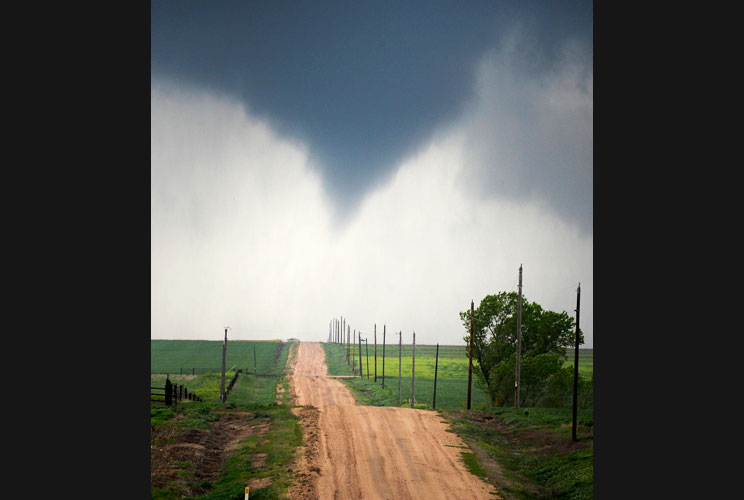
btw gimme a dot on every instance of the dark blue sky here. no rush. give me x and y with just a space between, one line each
363 84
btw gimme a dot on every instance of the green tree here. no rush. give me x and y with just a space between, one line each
495 339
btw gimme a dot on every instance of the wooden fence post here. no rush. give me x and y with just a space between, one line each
168 391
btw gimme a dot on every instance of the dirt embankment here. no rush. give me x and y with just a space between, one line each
204 450
360 452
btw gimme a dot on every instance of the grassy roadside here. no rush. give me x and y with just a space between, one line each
528 453
262 459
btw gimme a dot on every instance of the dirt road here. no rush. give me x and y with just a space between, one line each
365 452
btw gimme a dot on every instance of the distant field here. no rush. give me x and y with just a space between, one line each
181 356
452 374
586 361
177 357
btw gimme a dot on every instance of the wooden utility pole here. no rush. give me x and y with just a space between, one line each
366 347
436 367
383 356
576 366
348 344
400 359
375 352
353 367
222 379
413 370
361 374
470 356
517 379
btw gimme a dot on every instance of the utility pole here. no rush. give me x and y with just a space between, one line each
361 370
436 368
400 359
517 381
470 356
222 379
576 366
353 368
375 352
413 370
383 356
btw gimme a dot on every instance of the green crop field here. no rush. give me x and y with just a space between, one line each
183 356
177 358
586 361
452 374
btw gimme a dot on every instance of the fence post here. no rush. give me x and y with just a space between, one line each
167 391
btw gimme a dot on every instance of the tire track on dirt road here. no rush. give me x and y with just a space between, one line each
372 452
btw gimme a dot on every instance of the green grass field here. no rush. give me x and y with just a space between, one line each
183 356
586 361
174 356
533 448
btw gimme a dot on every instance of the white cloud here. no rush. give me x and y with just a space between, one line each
242 236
